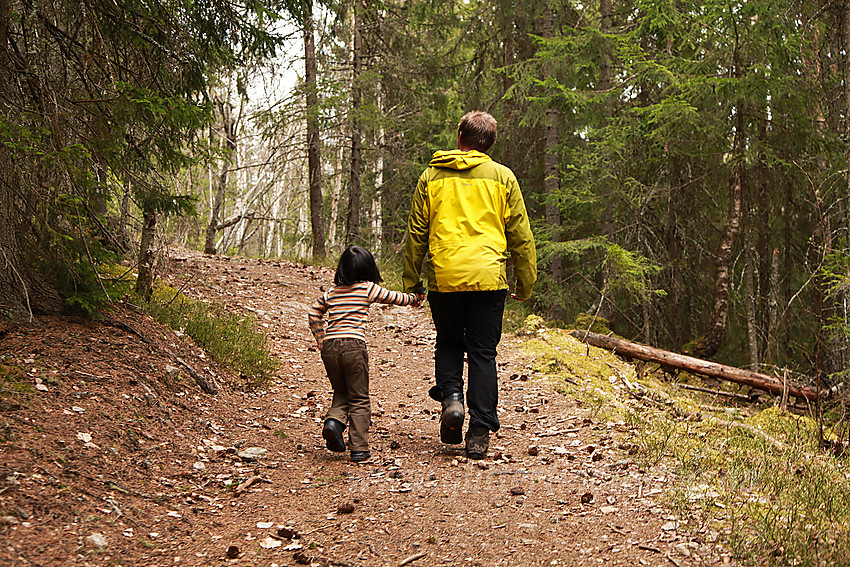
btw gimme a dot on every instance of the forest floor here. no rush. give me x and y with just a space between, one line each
110 454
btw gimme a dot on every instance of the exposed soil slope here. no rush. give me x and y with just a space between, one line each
103 431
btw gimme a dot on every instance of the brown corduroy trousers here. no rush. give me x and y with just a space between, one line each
347 364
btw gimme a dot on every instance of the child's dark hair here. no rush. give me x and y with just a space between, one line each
356 265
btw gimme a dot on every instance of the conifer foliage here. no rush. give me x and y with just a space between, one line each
685 163
98 98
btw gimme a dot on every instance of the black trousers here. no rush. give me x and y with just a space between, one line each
468 322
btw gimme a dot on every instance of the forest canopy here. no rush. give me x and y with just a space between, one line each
685 163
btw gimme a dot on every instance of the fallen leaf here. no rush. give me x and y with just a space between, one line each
270 543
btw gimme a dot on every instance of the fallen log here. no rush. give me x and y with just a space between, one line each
699 366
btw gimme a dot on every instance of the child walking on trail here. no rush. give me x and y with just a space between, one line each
343 347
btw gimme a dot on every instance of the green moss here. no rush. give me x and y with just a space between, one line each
785 426
531 325
594 376
512 320
12 373
769 505
14 380
593 324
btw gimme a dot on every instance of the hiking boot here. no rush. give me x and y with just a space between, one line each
360 456
451 422
477 442
332 433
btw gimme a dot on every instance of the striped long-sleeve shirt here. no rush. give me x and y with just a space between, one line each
346 307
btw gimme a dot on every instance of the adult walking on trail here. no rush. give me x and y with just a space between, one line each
467 218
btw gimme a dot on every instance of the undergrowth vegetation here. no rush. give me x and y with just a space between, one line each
235 340
750 478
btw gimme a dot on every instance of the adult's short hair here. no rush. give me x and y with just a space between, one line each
477 130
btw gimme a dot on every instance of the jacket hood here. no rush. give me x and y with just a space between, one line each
457 159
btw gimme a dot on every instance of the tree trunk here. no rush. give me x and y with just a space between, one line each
838 301
773 319
752 311
551 180
353 225
508 56
144 281
716 330
606 307
378 201
674 253
124 217
22 290
336 192
219 185
228 125
314 164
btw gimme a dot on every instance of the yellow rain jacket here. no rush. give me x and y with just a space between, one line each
467 218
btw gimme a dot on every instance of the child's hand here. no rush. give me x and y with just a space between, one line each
419 292
319 346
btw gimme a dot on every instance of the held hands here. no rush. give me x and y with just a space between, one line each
419 292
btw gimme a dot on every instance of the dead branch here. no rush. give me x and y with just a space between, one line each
247 484
754 430
412 558
718 392
208 386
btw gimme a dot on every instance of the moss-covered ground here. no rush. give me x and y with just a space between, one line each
747 474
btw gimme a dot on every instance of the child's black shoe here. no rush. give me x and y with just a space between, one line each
360 456
332 433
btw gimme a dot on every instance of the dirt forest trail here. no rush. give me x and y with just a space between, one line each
555 489
110 453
